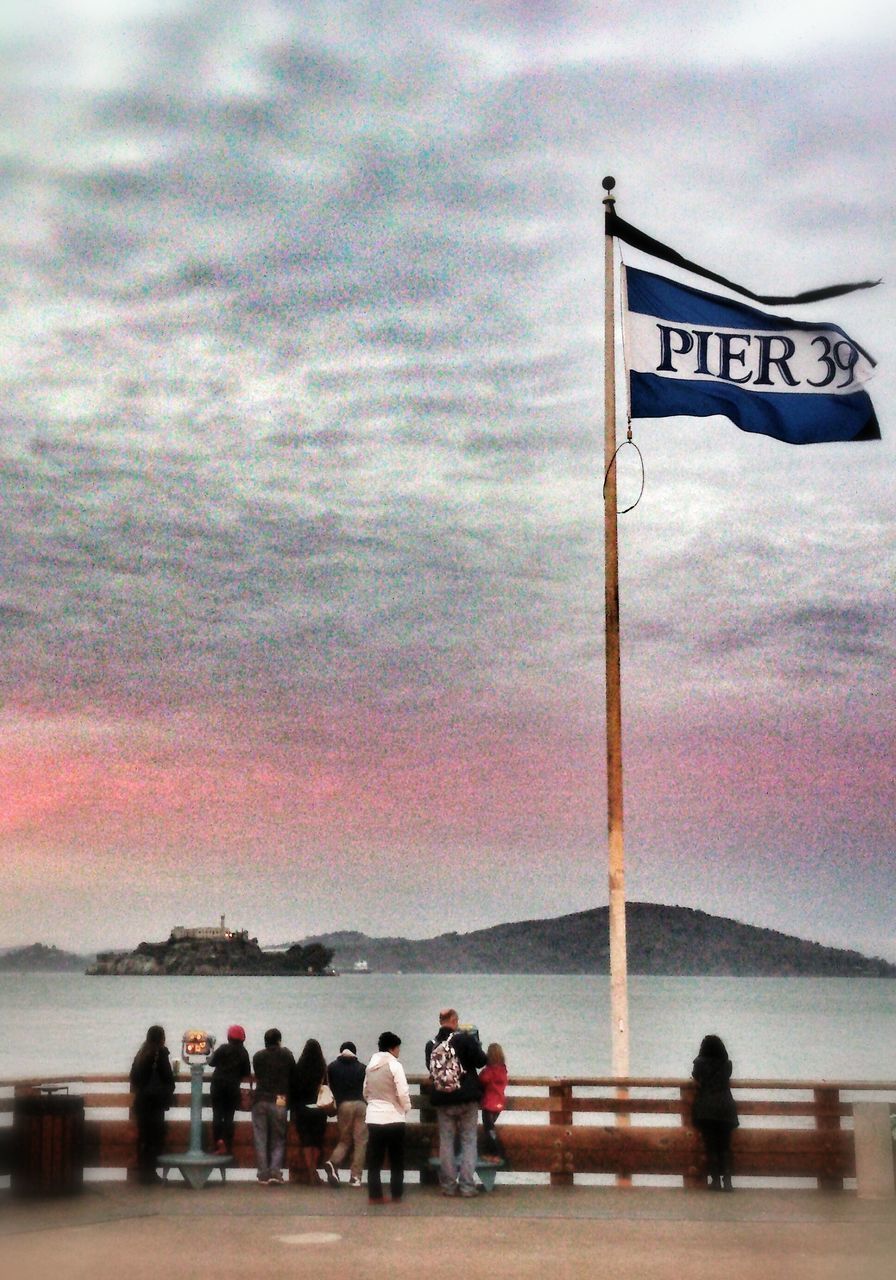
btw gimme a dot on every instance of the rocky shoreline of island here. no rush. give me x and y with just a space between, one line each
203 958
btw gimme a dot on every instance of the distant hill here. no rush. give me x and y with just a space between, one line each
661 940
40 958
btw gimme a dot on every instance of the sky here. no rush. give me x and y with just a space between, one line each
301 455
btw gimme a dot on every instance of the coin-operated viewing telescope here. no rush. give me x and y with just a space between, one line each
196 1045
196 1164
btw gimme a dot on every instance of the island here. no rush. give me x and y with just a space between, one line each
213 951
662 940
40 958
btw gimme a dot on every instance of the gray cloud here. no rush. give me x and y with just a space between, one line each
829 635
301 353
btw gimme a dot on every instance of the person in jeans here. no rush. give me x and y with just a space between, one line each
346 1076
273 1066
456 1103
388 1102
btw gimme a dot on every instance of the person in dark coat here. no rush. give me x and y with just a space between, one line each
309 1073
152 1086
230 1067
714 1111
346 1077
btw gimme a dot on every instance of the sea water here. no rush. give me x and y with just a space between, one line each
774 1028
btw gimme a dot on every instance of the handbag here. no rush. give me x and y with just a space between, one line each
325 1100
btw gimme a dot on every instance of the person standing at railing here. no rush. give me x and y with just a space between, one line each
714 1111
230 1067
388 1102
273 1066
346 1076
308 1077
453 1058
493 1078
152 1084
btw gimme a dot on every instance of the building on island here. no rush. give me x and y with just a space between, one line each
208 933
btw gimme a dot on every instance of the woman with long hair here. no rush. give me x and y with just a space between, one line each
152 1084
714 1111
309 1073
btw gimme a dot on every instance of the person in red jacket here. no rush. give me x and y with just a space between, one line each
493 1078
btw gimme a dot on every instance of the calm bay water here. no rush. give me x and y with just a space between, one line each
776 1028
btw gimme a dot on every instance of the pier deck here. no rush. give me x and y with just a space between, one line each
241 1229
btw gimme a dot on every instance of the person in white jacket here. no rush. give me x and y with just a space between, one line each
388 1101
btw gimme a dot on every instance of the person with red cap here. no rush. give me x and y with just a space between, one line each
230 1067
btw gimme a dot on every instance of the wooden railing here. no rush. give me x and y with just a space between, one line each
555 1126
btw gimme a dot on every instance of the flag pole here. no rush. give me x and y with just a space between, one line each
618 958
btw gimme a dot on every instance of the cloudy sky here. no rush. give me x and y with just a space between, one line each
301 458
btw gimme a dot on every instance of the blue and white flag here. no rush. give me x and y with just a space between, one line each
692 354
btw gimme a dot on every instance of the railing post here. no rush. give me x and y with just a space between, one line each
623 1121
562 1165
873 1138
693 1179
429 1177
827 1117
132 1172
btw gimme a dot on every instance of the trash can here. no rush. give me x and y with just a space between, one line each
48 1144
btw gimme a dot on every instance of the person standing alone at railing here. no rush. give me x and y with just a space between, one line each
714 1111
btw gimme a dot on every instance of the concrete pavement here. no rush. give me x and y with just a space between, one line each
119 1232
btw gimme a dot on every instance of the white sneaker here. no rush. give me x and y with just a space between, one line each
354 1182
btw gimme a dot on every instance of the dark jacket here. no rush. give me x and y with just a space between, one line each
471 1057
272 1068
713 1101
346 1077
230 1064
153 1089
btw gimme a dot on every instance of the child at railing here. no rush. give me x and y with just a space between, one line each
493 1077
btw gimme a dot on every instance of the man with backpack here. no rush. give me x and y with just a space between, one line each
453 1058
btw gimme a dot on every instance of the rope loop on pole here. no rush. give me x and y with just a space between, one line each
619 447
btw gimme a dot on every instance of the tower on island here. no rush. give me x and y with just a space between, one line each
208 933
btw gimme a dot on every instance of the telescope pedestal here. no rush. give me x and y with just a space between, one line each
195 1164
